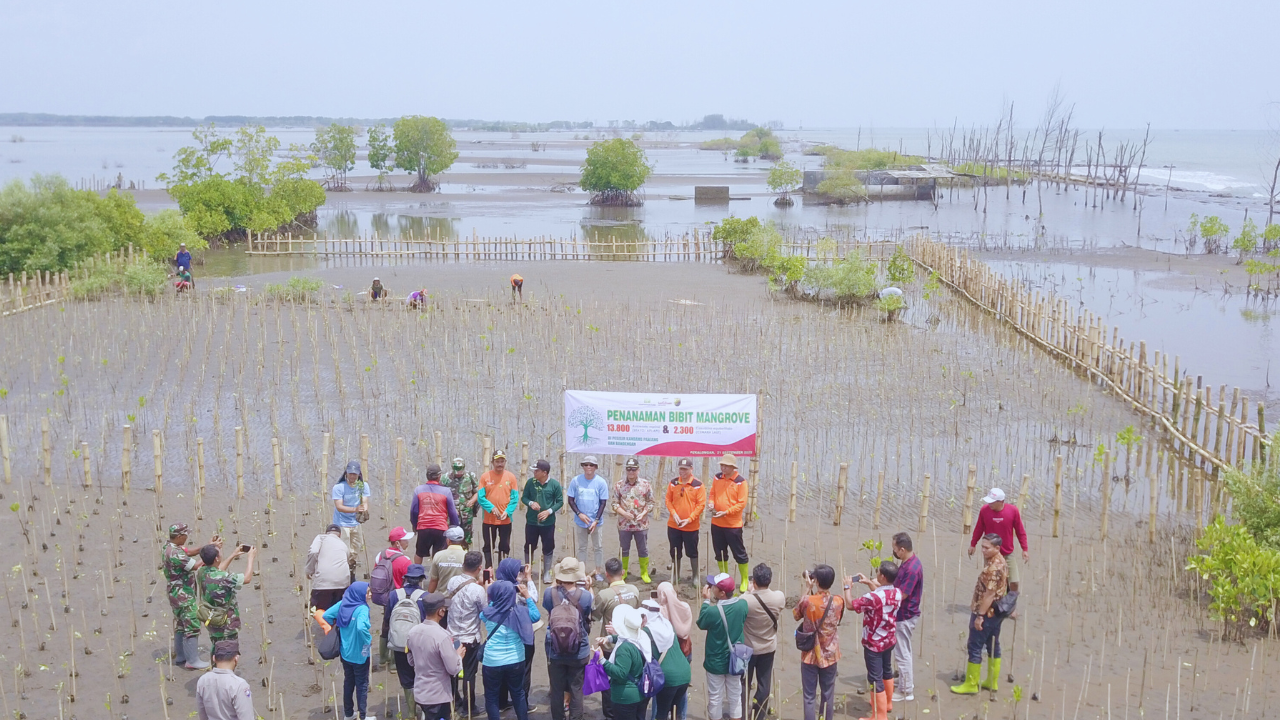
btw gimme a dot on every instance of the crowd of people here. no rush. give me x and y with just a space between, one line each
451 616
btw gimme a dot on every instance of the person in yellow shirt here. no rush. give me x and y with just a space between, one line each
728 500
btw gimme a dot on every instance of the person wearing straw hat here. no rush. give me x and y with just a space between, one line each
728 500
686 501
565 669
1003 519
500 497
633 501
632 649
588 494
466 497
180 566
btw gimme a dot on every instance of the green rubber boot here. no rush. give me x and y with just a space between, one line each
644 571
626 567
723 565
384 652
409 711
970 684
992 682
742 570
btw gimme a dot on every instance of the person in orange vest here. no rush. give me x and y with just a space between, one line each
686 500
517 286
728 500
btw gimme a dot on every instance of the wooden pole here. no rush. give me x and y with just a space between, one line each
200 466
439 455
4 450
486 450
155 454
275 462
1024 491
753 482
967 511
84 454
842 483
240 462
1057 492
875 519
46 451
924 505
791 506
126 459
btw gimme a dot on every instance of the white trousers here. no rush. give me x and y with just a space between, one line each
724 695
902 656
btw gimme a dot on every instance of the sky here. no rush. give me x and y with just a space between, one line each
1122 63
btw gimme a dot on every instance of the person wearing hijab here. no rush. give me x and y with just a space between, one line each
508 622
511 570
680 615
351 618
675 666
632 648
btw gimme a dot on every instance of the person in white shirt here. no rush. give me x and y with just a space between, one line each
327 568
467 595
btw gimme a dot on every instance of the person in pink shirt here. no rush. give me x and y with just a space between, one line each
1003 519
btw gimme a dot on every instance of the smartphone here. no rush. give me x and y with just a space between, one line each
488 575
653 594
244 548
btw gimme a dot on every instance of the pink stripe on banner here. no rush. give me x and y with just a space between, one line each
746 447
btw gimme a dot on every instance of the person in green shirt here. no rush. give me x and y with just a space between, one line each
543 498
724 618
632 648
675 666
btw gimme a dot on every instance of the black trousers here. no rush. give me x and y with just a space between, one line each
683 543
464 692
440 711
725 539
429 542
535 533
566 676
760 670
404 671
879 666
499 535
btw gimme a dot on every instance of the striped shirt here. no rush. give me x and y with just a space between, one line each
879 626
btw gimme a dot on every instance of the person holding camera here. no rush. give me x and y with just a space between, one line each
724 618
879 610
985 619
219 610
818 640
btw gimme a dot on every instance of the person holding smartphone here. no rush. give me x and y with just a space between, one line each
219 589
879 610
467 596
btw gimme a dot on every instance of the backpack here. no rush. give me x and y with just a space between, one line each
404 616
652 679
564 628
381 581
210 616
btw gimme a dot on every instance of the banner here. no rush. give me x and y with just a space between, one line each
614 423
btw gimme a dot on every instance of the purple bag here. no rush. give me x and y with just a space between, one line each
595 678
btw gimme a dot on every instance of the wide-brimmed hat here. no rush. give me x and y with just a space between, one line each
415 571
730 460
569 570
590 460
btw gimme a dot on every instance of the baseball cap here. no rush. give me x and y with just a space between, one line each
432 602
996 495
454 534
433 470
459 463
685 462
333 528
542 465
415 571
399 533
633 463
177 529
590 460
722 581
499 454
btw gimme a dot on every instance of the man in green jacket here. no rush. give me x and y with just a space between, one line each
724 618
543 498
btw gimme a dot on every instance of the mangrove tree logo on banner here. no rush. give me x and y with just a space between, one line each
665 425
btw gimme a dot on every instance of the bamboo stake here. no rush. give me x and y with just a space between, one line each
399 463
275 461
924 505
324 466
1023 492
4 449
842 483
200 466
791 505
439 455
967 511
84 453
155 454
1106 492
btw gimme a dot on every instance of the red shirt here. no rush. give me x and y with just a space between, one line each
399 566
1004 523
879 624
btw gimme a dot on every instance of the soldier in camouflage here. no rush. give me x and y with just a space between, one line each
180 565
466 493
219 588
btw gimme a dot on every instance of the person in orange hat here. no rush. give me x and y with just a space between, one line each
728 500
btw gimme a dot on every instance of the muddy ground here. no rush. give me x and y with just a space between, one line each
1106 628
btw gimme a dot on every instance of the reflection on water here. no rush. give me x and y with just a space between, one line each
335 223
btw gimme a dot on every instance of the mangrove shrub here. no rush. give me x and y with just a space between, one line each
423 145
613 171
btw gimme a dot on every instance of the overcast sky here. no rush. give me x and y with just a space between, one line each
1174 63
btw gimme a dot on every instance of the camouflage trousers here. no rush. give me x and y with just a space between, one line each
184 617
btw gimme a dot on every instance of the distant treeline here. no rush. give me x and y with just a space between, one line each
709 122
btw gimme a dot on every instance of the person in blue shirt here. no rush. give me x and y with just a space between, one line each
588 493
351 618
350 498
508 623
183 258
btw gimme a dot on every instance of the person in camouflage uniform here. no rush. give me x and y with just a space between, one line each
219 588
180 565
465 496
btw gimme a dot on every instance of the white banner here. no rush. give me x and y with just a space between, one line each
614 423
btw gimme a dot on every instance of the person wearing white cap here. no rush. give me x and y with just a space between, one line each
1003 519
378 291
632 649
724 618
588 494
447 564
